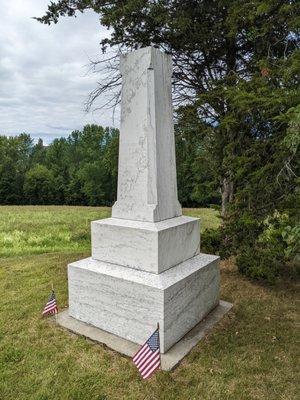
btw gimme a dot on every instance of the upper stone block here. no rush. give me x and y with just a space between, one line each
147 246
147 187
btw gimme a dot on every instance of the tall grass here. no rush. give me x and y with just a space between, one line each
45 229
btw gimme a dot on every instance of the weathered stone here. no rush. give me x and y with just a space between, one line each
149 246
170 359
129 303
147 187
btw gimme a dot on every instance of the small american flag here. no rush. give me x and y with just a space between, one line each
147 359
51 306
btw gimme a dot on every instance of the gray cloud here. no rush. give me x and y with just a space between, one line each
43 71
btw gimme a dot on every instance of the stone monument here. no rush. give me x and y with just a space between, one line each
146 266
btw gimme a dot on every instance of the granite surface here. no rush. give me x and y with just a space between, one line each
148 246
147 186
129 303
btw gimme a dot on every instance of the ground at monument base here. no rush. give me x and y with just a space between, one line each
170 359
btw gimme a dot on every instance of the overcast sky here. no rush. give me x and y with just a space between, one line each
43 71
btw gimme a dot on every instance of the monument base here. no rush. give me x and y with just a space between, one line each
129 303
170 359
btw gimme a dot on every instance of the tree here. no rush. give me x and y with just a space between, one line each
38 153
80 170
14 162
39 185
56 160
225 53
93 158
110 163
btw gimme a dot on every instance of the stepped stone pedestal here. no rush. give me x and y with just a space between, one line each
146 266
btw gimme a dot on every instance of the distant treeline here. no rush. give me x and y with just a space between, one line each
82 170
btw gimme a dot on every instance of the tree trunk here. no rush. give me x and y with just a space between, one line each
227 194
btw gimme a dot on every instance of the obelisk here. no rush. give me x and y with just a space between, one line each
146 266
147 187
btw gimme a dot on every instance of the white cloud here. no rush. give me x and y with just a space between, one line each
43 71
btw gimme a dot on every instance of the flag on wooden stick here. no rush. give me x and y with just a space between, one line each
51 306
147 359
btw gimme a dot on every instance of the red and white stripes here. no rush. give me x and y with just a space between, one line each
147 359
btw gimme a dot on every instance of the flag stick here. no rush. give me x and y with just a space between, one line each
55 312
159 343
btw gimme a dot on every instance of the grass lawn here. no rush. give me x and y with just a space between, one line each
44 229
251 354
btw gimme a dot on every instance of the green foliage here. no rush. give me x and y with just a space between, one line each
14 162
38 153
82 169
258 263
211 241
197 183
278 233
39 185
274 250
92 179
291 237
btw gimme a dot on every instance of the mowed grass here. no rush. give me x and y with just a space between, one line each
44 229
252 353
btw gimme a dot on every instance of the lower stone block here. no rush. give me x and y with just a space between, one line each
129 303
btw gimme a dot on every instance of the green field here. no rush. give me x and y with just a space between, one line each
44 229
251 354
